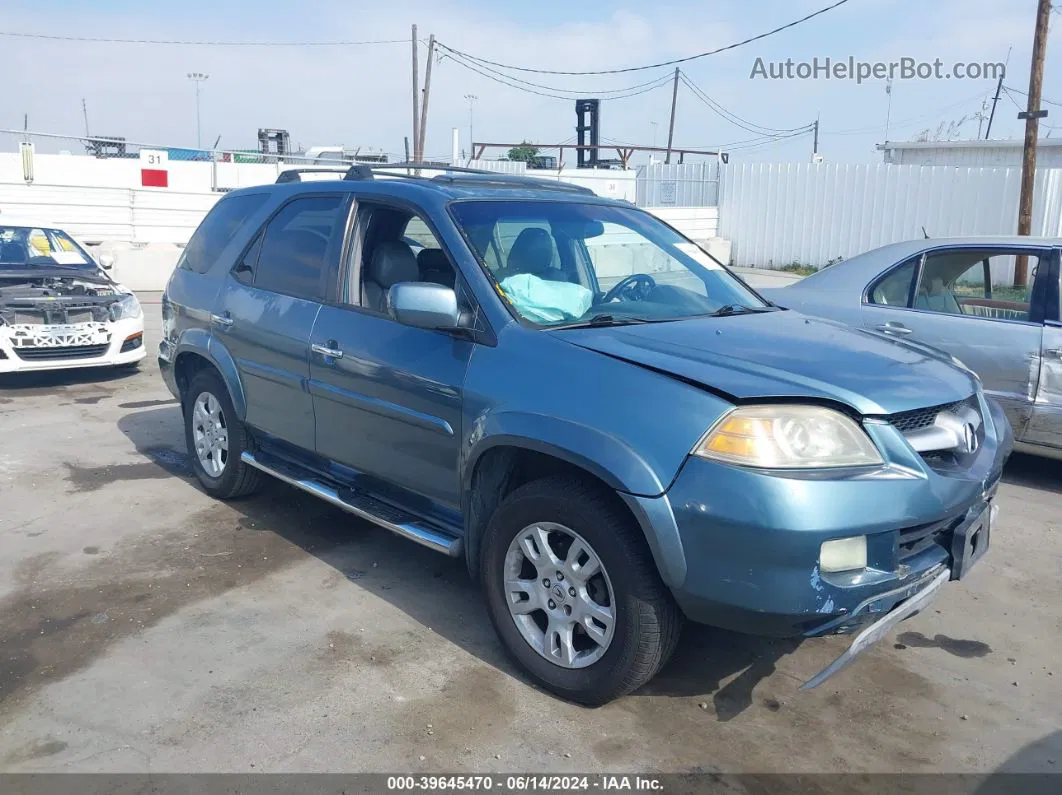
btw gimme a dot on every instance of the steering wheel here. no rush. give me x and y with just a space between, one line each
635 287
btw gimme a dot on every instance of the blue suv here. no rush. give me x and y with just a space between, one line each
607 425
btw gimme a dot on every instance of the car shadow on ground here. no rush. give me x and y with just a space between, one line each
436 591
47 380
1034 472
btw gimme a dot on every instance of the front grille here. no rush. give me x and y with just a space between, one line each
71 352
915 540
918 419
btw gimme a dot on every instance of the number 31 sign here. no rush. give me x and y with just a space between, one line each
154 168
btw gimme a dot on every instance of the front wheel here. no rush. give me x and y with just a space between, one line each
216 439
573 591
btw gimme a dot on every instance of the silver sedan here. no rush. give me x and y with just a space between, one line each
991 302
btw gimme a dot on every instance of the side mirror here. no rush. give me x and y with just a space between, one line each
424 305
106 261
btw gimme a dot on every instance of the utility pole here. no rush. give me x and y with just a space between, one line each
427 90
197 78
671 127
888 111
815 144
995 99
471 141
1032 118
416 95
84 112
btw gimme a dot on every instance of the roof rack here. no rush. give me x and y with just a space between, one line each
453 175
458 175
293 174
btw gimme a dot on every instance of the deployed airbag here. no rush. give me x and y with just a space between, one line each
545 301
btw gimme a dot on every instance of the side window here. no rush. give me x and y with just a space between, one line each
418 236
895 289
215 231
976 283
292 258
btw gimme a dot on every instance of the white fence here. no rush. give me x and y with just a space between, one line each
812 213
678 185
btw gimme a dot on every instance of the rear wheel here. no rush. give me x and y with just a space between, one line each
573 591
216 439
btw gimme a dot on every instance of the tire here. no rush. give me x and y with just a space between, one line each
646 620
230 477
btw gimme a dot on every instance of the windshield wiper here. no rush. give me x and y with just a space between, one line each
603 320
736 309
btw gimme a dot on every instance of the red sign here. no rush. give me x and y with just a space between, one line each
154 178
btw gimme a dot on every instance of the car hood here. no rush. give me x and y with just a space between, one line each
784 354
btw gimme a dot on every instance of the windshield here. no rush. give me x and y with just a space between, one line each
569 263
28 248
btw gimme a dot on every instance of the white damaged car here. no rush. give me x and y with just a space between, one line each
59 308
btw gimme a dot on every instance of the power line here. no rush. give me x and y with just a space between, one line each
1024 94
907 121
580 92
716 51
733 118
101 40
497 79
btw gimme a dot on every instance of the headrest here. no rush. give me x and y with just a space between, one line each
393 262
532 251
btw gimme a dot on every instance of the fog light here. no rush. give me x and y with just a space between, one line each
843 554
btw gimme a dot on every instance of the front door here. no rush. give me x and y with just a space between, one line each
967 302
266 311
387 397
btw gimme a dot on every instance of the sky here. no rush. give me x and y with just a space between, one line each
360 95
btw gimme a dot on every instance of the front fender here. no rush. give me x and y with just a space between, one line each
201 342
604 456
615 463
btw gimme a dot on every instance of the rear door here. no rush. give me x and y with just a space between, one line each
1045 427
966 301
267 308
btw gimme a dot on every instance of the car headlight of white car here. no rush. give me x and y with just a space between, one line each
788 437
126 308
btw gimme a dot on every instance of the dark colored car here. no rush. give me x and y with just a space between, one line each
611 429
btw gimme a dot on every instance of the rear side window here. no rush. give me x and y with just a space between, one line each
895 288
217 230
293 256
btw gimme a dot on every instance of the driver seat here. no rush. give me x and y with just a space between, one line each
392 262
532 253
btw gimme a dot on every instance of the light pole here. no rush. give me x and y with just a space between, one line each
471 149
652 133
197 78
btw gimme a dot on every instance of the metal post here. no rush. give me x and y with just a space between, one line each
471 141
416 92
671 128
197 78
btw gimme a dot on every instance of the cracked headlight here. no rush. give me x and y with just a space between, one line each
126 308
788 437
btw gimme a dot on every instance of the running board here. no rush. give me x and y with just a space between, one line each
366 507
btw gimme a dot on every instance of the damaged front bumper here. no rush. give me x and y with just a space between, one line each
35 347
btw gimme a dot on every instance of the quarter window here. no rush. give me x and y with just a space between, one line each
895 289
293 256
217 229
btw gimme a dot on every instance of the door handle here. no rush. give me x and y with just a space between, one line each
899 329
327 351
224 320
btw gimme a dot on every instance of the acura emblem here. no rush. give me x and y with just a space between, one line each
969 437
